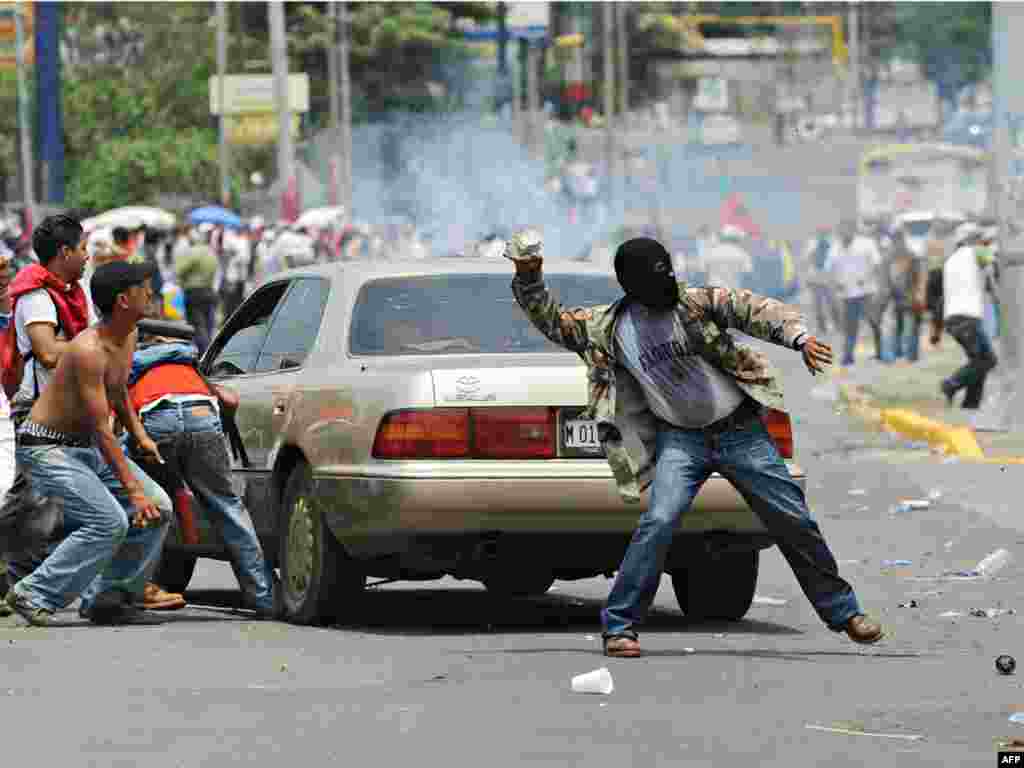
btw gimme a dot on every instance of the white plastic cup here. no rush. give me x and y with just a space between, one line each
996 561
598 681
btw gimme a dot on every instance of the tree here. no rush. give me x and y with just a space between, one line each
395 47
951 42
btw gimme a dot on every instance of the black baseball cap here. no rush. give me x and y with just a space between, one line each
115 277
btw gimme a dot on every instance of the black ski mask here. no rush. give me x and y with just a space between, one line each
644 269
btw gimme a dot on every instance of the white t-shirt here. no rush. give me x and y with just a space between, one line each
855 268
963 285
37 307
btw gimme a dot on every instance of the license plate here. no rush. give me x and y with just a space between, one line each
581 435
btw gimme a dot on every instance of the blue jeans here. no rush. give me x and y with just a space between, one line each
101 552
748 458
906 335
852 315
981 358
192 444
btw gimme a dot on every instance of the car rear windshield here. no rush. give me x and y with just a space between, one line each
461 314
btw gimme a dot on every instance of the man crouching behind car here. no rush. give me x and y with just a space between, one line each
661 358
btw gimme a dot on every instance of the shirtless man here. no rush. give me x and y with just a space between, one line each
115 513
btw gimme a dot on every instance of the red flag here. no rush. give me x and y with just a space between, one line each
734 213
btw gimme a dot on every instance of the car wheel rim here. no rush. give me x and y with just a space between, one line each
301 543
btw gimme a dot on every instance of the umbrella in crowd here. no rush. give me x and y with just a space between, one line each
130 217
322 218
214 214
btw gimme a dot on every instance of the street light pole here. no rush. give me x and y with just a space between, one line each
27 168
279 67
222 65
345 108
608 50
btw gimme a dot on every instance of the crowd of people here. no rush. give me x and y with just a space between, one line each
97 415
900 283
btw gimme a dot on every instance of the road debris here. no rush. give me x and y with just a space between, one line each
763 600
897 563
284 667
599 681
991 613
858 492
689 650
849 732
1017 717
993 562
1006 664
935 494
951 615
911 604
911 505
948 545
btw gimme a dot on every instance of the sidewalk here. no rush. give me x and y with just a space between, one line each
886 392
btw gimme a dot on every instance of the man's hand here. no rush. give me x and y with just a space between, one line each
817 355
148 450
146 511
524 250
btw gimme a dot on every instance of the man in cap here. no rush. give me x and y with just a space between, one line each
676 398
115 515
963 291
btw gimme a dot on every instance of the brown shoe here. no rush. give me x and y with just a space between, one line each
155 599
622 646
863 630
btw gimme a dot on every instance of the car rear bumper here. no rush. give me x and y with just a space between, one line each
554 497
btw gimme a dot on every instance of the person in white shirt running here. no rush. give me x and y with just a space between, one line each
963 288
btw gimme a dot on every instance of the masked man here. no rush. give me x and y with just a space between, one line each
664 374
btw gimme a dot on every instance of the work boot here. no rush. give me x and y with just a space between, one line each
863 630
156 599
625 645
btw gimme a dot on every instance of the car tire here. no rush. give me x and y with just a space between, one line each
717 587
175 571
318 579
519 584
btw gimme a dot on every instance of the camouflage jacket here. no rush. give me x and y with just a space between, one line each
626 425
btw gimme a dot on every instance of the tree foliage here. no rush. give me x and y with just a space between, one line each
952 42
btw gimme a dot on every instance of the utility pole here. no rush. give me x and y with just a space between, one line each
608 50
1003 410
854 84
623 51
532 92
332 92
279 67
222 65
27 168
344 46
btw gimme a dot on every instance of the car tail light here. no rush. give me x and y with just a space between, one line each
441 433
513 433
464 433
778 426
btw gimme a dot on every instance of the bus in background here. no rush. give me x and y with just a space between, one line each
900 180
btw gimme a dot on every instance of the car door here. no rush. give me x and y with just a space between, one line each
231 360
266 388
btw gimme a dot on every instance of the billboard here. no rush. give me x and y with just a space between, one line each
8 51
255 93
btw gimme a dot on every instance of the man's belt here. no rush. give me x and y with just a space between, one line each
30 433
742 417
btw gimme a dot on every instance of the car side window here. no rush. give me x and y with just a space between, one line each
295 327
237 348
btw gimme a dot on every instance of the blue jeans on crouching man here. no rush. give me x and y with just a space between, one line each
101 552
746 456
191 441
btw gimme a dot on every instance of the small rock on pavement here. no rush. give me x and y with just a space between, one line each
1006 664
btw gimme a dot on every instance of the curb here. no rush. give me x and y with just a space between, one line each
953 441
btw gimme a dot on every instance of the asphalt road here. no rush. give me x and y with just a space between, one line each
442 674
